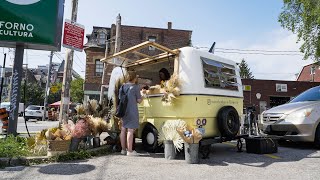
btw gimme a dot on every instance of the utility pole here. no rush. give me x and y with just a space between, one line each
67 75
3 74
45 104
118 35
105 65
116 49
15 89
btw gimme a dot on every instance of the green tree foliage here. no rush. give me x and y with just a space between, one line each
245 72
55 96
34 94
303 17
76 91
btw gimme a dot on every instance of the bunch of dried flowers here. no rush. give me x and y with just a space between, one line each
172 89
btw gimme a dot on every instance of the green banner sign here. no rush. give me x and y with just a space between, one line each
35 23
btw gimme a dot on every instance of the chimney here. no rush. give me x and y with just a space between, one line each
169 25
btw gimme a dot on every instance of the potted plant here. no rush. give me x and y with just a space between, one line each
58 141
97 124
169 136
191 137
78 131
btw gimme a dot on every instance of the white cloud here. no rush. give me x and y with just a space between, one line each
273 67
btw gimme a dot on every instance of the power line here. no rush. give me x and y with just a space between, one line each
274 73
60 57
79 59
260 53
254 50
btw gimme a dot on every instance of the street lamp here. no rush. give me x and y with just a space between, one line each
258 95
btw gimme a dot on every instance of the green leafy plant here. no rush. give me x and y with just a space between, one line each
302 17
77 155
13 147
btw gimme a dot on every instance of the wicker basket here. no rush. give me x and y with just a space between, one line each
62 145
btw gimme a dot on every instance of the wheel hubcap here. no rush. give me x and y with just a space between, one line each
150 138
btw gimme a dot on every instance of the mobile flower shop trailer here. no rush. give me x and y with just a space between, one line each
208 91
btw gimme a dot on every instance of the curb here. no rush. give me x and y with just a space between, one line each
27 161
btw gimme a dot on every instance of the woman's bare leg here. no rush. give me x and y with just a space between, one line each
130 139
123 136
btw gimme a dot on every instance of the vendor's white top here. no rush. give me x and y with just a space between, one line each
191 73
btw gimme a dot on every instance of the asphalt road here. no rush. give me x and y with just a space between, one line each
33 125
293 161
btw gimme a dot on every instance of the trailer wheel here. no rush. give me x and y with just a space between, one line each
228 121
150 138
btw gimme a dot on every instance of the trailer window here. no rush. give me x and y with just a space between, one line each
219 75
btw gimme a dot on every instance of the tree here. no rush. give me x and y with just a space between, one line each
303 17
34 94
76 90
245 72
55 96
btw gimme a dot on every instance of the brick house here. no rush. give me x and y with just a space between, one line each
310 72
102 37
264 94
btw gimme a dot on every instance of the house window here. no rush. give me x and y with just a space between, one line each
219 75
281 88
99 68
102 38
312 70
152 39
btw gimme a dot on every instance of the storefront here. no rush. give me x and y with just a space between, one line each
265 94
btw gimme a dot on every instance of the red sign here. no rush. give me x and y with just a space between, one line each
73 36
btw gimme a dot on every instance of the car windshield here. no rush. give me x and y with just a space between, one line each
312 94
33 108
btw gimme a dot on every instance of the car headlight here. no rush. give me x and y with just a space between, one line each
299 115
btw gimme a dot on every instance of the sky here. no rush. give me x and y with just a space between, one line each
239 25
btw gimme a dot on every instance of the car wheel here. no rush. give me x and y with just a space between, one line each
150 138
228 122
317 137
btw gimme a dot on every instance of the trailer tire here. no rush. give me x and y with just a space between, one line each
150 138
228 122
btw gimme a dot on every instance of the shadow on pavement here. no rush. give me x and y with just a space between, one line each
66 169
226 153
16 168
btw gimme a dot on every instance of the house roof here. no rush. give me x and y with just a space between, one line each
93 40
318 63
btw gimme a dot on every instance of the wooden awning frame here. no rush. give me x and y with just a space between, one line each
146 59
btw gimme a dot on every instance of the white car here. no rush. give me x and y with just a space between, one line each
34 112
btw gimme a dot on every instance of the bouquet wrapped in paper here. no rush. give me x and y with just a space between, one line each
191 135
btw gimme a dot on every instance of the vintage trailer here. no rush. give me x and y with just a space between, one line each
211 94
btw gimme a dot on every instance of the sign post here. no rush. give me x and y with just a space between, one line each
15 89
73 39
32 24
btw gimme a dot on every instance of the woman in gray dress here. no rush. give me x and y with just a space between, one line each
130 121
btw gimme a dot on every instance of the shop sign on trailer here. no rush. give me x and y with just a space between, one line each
73 35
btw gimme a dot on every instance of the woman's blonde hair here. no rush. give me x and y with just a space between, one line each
131 75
